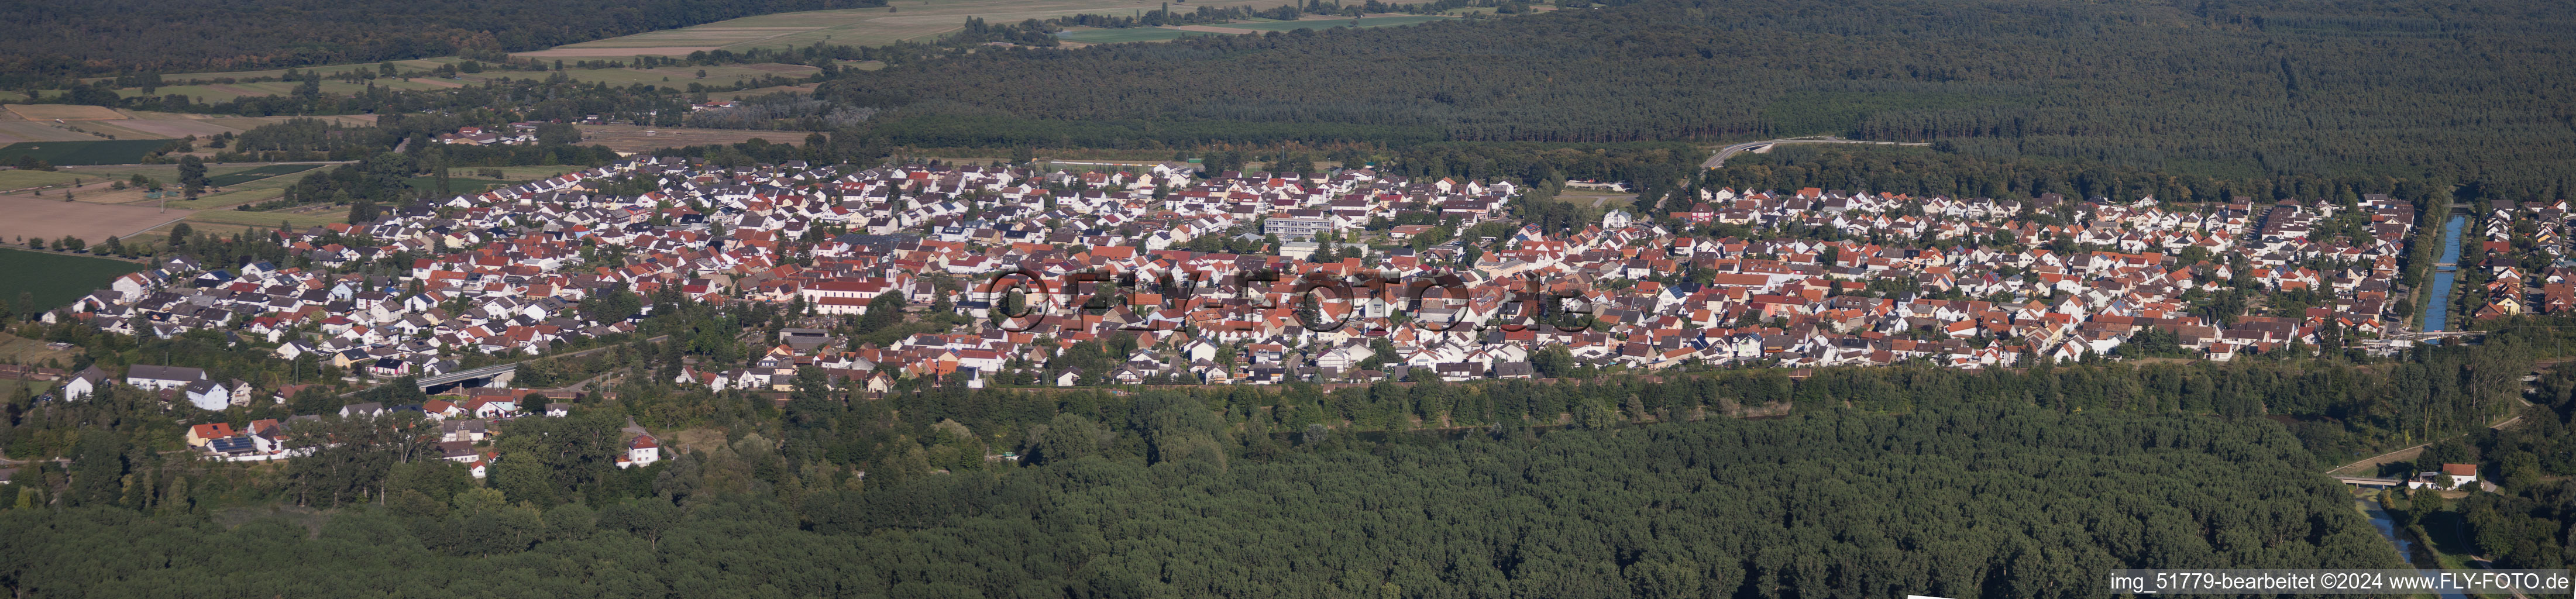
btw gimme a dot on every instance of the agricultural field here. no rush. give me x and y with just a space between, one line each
129 124
121 151
230 219
226 92
63 112
255 174
328 70
56 279
1131 34
14 131
1379 21
17 179
50 217
678 77
633 138
856 26
1248 26
763 91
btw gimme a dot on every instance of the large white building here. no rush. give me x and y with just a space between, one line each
155 378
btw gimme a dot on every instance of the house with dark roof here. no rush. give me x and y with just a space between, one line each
156 378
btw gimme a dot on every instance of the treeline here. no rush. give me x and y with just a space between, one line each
43 43
2532 523
1833 503
1943 171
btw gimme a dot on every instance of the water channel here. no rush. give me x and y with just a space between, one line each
2438 311
2388 529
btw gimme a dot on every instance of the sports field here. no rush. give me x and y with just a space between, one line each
56 278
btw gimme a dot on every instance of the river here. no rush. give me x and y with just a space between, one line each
2438 311
2388 529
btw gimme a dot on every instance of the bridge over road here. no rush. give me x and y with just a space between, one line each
1719 160
2368 481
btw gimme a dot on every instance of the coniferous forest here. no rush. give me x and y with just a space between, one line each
103 37
2466 91
1974 501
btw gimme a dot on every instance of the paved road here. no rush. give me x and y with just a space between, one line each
1730 151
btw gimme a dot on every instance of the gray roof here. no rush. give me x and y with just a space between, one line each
164 373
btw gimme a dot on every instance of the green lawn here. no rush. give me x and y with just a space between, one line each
675 77
259 190
20 350
326 70
462 181
1320 24
56 279
1133 34
255 174
269 220
9 388
18 179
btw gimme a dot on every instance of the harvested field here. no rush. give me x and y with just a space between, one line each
18 131
148 125
632 138
615 52
51 217
67 112
852 26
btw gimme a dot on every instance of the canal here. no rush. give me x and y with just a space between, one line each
2437 313
2388 530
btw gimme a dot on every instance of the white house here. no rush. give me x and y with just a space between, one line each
644 451
156 378
209 395
2451 476
86 382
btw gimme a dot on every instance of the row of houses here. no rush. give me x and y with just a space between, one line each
1968 283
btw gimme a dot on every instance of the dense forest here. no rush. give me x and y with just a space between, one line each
2223 88
40 41
1990 501
2439 94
